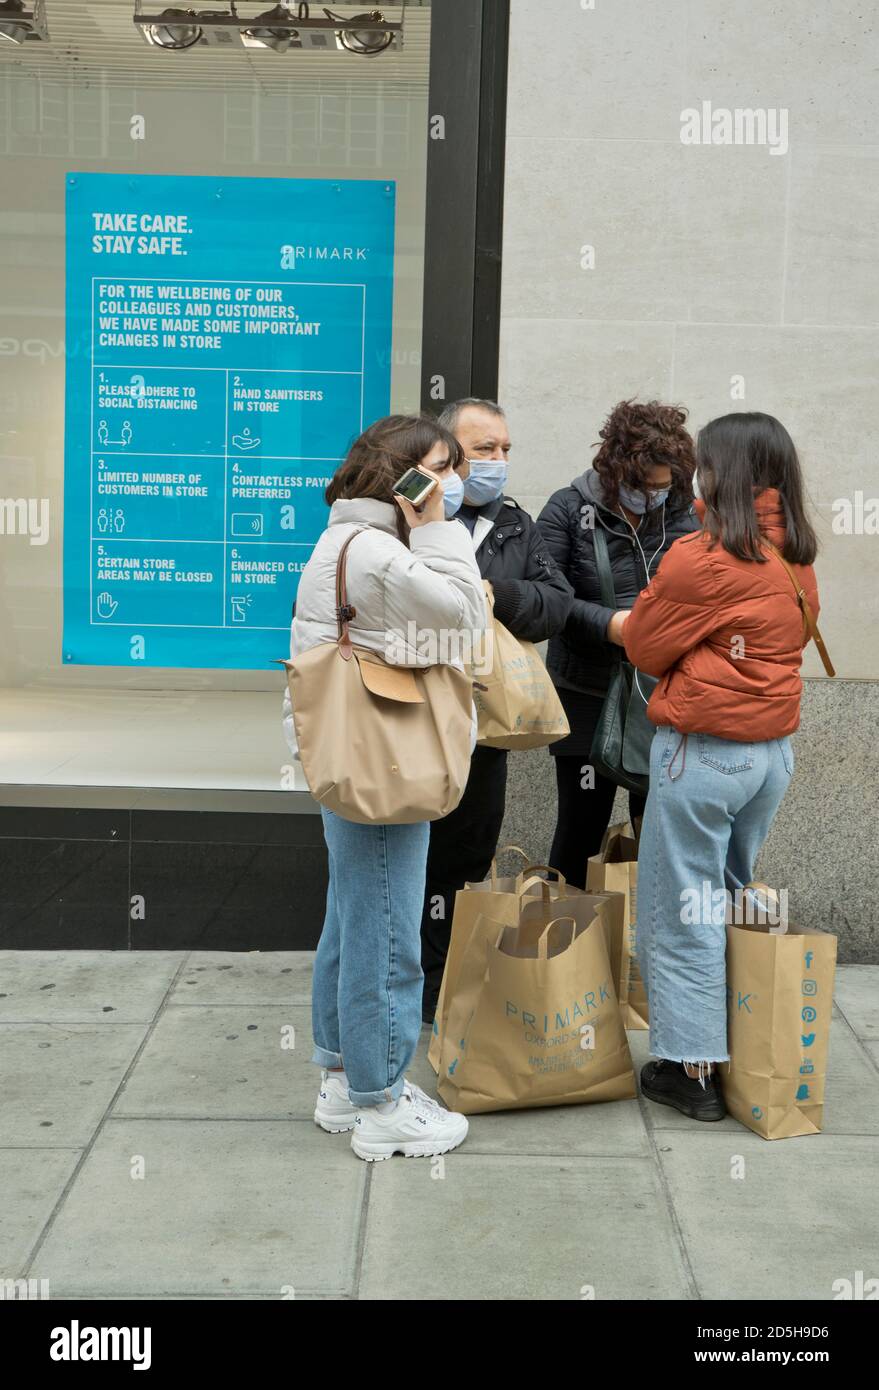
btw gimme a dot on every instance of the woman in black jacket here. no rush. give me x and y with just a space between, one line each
640 491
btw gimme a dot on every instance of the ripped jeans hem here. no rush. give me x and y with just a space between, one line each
701 1063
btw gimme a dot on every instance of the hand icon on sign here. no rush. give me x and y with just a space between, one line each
106 605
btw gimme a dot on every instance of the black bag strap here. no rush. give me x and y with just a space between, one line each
602 565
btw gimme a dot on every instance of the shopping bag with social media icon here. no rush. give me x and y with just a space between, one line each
779 1000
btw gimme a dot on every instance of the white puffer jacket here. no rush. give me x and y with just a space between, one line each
403 597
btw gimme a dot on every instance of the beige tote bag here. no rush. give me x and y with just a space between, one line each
516 702
379 744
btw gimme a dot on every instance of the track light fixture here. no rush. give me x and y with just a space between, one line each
20 22
278 29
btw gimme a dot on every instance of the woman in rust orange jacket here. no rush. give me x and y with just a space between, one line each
721 625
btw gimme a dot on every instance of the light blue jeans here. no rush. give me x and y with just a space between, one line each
366 994
709 809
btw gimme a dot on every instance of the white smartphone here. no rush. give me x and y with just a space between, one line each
416 486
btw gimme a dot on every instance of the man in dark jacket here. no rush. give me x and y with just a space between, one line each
649 511
532 599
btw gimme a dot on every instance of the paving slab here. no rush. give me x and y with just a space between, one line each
59 1079
584 1130
803 1215
223 1209
857 994
520 1228
246 977
31 1181
225 1061
84 986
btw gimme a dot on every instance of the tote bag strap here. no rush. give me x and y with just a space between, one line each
344 611
602 565
810 626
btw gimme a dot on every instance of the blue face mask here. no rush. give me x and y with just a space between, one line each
639 502
488 478
453 495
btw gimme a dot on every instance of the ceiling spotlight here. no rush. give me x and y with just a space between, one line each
19 23
277 39
285 29
362 39
175 29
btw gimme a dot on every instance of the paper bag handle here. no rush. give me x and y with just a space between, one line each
772 895
533 869
528 883
504 849
543 939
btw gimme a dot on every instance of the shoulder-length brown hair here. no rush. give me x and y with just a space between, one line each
740 455
383 453
636 437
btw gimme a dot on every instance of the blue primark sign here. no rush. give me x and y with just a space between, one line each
231 337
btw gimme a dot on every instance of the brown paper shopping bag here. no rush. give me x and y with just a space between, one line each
516 701
779 1001
535 1021
497 898
615 870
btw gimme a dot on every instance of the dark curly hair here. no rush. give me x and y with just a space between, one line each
635 438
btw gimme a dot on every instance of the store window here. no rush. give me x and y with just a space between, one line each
211 279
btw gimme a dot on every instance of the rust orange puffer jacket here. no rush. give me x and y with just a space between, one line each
726 636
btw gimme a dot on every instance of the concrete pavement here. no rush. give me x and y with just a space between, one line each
156 1141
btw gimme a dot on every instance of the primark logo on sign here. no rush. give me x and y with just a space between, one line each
291 256
719 125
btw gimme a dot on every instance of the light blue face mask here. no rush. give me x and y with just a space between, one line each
488 478
453 495
640 502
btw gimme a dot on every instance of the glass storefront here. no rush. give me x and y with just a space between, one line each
211 277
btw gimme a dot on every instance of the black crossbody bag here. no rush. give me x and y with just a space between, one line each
621 743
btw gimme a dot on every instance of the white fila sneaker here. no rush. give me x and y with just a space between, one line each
417 1127
333 1111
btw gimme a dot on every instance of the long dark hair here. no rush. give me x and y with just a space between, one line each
635 437
738 456
383 453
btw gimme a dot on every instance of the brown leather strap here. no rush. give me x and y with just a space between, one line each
810 627
344 612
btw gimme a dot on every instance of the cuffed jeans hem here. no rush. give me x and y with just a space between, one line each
326 1059
367 1099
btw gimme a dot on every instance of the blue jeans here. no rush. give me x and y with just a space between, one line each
703 828
366 995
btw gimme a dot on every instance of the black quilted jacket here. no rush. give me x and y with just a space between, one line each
580 656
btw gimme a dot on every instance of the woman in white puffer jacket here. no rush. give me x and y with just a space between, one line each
410 573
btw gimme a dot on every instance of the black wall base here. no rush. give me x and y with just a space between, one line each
139 879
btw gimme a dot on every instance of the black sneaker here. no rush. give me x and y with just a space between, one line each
667 1083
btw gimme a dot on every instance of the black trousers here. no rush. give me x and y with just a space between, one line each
583 816
462 846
